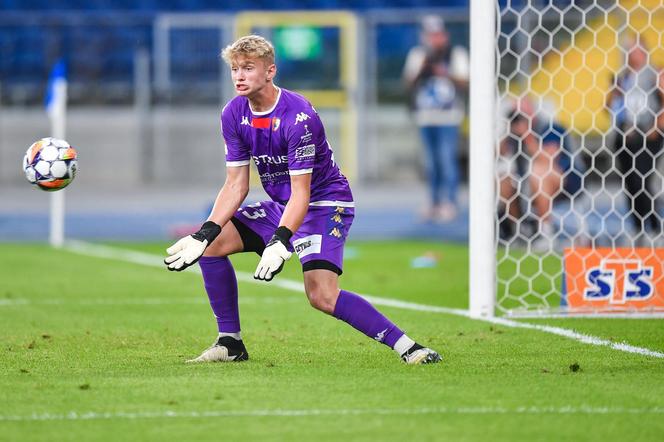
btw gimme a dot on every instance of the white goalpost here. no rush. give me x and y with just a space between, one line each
481 189
566 141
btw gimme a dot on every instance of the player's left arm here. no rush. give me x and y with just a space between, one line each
276 251
298 204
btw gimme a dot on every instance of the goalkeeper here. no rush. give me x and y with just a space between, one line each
310 212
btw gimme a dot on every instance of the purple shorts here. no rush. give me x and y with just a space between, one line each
319 242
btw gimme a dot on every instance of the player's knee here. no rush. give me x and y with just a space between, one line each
321 298
217 251
227 243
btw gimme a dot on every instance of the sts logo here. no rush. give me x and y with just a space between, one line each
618 281
613 279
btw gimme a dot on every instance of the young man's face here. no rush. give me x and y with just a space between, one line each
251 75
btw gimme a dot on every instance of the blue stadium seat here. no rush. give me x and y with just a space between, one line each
100 37
156 6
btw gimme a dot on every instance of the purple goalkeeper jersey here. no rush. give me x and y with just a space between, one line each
288 139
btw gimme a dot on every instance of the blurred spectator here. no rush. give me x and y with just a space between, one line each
436 75
635 101
543 154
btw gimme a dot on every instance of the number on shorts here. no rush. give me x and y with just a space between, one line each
259 213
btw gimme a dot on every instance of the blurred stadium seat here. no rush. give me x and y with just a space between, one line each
99 38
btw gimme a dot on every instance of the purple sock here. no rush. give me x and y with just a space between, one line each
221 287
364 317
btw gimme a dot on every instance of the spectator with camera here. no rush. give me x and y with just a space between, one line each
436 76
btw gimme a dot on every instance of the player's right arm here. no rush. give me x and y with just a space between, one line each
231 195
188 250
238 157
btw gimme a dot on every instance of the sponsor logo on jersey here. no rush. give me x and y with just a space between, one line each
281 176
267 159
618 279
245 121
308 151
299 118
261 123
307 245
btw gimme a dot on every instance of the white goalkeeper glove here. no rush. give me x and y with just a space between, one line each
275 255
189 249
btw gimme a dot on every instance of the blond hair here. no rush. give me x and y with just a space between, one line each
250 46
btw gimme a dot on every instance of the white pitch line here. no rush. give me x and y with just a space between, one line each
147 259
148 301
107 252
571 334
525 410
13 302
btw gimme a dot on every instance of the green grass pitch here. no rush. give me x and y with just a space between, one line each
94 349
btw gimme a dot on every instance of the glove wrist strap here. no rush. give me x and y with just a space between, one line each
208 231
283 234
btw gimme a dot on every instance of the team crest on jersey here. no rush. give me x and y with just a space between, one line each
276 122
301 117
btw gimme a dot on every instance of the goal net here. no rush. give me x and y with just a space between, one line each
578 176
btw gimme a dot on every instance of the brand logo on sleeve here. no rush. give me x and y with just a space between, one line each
245 121
299 118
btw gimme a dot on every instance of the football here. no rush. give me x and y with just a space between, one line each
50 164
